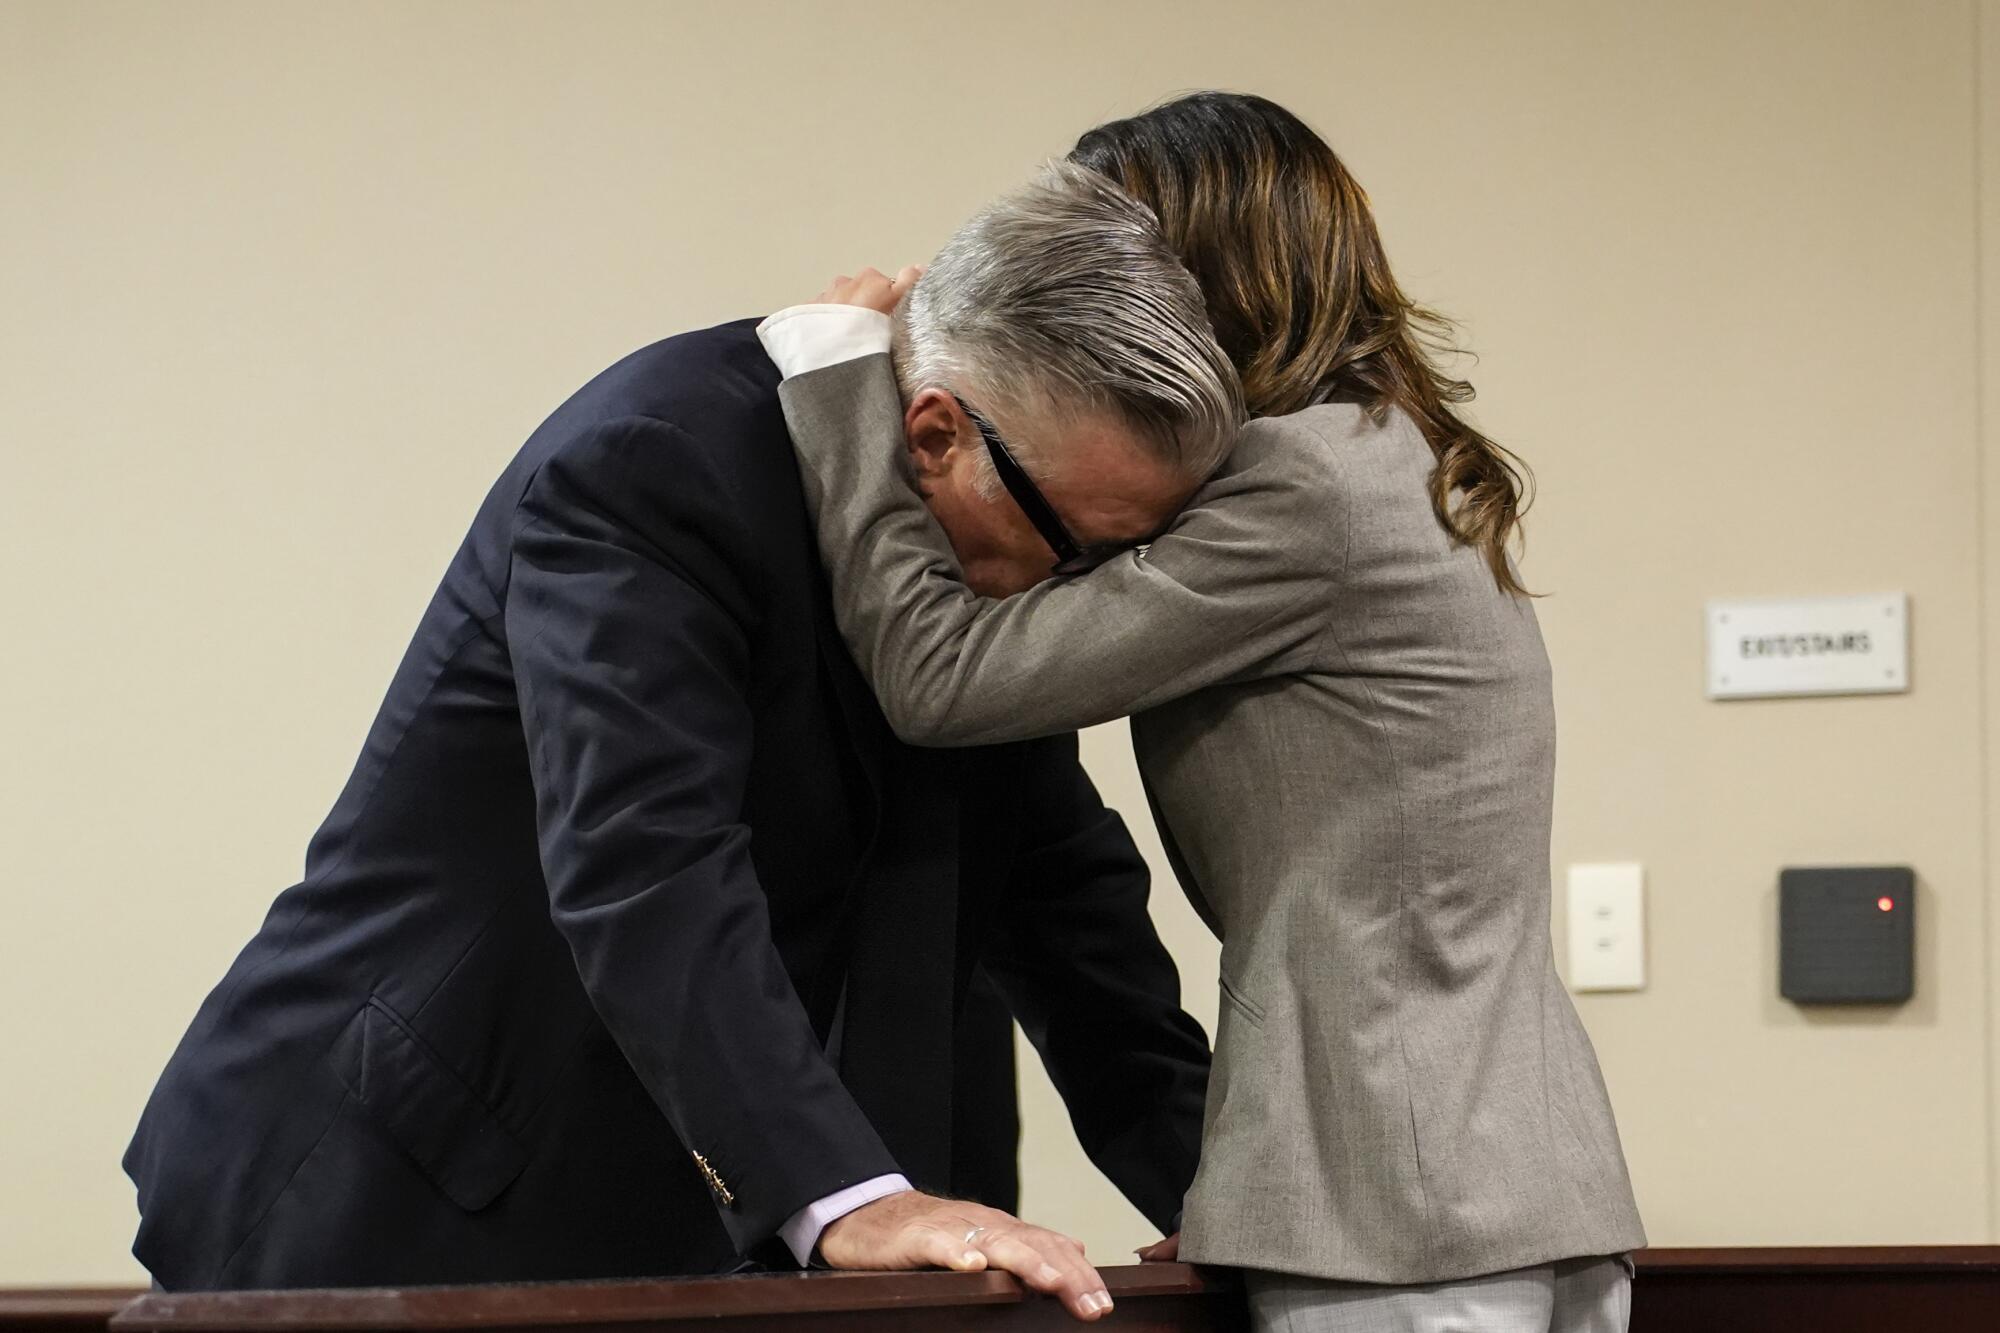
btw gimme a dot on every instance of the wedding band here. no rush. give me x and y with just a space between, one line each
970 1234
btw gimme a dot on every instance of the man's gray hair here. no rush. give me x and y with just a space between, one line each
1063 299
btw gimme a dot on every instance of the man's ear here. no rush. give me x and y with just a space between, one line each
930 432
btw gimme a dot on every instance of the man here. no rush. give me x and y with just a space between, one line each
635 942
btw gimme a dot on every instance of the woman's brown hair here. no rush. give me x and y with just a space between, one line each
1280 237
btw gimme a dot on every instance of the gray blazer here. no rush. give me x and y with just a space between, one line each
1346 732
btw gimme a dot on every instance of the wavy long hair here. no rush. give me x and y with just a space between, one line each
1281 239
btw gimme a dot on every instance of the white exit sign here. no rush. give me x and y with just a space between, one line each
1813 645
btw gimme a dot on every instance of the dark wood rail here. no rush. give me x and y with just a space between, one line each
1923 1289
1153 1298
51 1308
1846 1289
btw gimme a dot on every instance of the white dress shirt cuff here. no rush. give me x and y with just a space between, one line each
801 1232
812 337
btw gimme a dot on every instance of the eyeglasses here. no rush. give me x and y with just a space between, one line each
1072 556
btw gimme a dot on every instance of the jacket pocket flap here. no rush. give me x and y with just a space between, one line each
442 1124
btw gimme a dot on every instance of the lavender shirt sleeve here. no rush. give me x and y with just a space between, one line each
801 1232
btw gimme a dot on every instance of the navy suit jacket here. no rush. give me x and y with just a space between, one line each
627 846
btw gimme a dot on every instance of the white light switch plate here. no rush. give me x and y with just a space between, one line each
1607 927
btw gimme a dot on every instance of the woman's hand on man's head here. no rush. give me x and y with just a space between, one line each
871 288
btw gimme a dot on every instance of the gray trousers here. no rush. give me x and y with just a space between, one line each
1573 1296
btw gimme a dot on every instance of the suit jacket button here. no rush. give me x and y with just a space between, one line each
715 1184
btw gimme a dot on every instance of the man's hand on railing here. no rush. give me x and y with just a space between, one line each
914 1230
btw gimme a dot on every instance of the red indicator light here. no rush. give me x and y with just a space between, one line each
1885 904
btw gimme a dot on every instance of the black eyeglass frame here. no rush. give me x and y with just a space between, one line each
1072 556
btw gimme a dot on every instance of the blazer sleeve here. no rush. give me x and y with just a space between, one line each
628 623
1234 590
1074 951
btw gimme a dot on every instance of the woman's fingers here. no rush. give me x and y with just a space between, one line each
871 288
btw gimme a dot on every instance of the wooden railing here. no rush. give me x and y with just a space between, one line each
1937 1289
1845 1289
50 1308
1153 1298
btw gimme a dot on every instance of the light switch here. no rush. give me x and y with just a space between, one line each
1607 927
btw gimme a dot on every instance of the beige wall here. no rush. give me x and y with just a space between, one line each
1986 27
285 284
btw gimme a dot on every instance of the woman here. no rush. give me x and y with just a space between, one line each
1342 712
